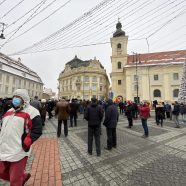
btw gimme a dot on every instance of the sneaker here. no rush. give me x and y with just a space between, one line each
27 178
106 148
177 126
145 136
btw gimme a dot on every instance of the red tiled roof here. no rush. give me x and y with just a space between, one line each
158 57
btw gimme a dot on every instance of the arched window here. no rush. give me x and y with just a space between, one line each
119 65
175 93
157 93
119 46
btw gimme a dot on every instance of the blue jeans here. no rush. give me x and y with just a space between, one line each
145 127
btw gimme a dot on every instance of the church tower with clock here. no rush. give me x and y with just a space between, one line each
119 60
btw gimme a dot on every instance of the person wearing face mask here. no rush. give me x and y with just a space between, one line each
21 126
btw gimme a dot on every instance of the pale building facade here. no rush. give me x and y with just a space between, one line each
152 76
83 80
14 75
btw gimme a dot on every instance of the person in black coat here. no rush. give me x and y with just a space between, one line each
129 114
110 122
74 107
94 116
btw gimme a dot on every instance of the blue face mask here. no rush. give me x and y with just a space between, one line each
16 102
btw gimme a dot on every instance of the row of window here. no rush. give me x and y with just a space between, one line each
8 91
156 77
157 93
18 82
85 79
94 87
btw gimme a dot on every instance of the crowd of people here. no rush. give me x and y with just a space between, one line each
22 121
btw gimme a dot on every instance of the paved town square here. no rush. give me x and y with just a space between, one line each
159 160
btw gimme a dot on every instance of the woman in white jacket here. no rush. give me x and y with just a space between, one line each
21 126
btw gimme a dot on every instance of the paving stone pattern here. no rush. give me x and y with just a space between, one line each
159 160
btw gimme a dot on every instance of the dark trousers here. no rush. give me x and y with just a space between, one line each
73 119
59 127
50 114
145 127
130 120
111 138
94 131
168 114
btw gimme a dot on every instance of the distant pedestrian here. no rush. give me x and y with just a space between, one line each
62 112
160 114
129 113
94 116
183 112
43 111
36 103
144 115
21 126
74 107
175 114
110 122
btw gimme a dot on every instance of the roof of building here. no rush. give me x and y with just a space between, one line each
119 32
157 58
17 68
76 63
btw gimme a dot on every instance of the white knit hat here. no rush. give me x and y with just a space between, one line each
23 93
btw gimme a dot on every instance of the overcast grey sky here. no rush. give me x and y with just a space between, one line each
161 21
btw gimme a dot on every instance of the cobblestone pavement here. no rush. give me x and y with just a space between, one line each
159 160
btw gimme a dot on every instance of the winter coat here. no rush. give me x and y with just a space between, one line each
144 112
160 112
129 111
74 108
20 128
62 110
43 109
111 116
94 115
176 109
36 104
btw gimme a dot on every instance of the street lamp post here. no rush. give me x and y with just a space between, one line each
136 59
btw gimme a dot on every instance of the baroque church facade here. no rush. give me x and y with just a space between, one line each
150 76
83 80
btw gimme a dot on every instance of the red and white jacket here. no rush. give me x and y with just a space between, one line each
19 130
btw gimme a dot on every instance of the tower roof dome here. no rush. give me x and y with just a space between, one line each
119 32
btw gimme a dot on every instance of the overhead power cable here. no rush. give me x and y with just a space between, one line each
55 11
87 14
87 25
14 22
2 2
13 8
20 26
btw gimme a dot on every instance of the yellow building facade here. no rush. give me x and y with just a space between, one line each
83 80
152 76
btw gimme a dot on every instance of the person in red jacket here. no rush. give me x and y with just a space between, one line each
144 115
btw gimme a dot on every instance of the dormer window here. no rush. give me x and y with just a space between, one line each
119 46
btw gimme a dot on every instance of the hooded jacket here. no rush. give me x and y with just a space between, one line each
20 128
111 115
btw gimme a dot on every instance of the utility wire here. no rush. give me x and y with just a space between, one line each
14 7
20 27
86 25
87 14
14 22
2 2
55 11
